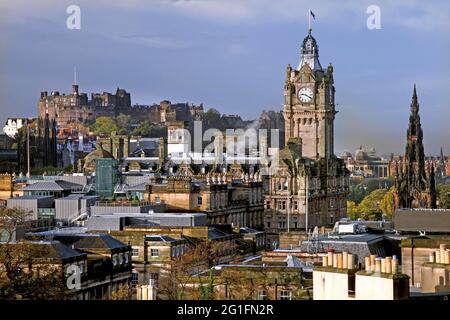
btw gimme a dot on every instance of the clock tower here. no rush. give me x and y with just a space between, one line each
309 109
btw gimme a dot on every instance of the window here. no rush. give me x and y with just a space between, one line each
154 276
261 295
157 199
268 205
281 224
175 252
295 205
268 224
281 205
199 201
286 295
135 252
134 278
154 252
114 259
332 203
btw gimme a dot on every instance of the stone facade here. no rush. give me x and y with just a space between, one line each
76 109
414 181
310 185
226 198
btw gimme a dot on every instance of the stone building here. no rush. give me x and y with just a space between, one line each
117 145
414 181
66 109
310 185
88 164
231 197
366 163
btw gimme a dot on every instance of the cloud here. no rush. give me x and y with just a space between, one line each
153 41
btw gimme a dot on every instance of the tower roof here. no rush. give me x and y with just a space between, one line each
309 53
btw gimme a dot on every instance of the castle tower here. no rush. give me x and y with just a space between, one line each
309 109
415 186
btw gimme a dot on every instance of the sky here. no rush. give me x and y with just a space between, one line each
232 55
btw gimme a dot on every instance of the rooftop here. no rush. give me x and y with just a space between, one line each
58 185
159 238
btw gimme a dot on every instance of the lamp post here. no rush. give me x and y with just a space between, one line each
28 151
306 201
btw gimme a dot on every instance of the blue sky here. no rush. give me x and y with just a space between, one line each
232 55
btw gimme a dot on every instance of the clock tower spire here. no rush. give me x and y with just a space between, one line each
309 109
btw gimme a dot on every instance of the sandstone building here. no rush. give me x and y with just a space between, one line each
309 187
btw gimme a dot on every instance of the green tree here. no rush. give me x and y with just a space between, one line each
212 116
123 123
144 129
369 208
387 204
352 212
150 129
104 126
20 277
443 196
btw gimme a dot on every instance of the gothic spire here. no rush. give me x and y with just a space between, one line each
416 178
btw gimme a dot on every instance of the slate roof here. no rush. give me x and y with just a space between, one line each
57 250
58 185
214 233
81 240
160 238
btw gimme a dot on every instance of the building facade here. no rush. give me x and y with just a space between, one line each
309 186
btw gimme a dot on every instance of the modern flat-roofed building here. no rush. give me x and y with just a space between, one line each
38 207
74 205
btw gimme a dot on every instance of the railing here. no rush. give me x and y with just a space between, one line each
125 203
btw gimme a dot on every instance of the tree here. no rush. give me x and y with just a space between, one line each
123 293
24 272
150 129
123 123
352 212
387 204
360 187
189 268
104 126
443 196
212 117
369 208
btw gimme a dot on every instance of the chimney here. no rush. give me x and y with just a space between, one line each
367 264
388 264
394 265
378 265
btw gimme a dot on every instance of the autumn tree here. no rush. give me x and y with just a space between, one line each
387 204
352 212
186 278
24 273
370 207
125 292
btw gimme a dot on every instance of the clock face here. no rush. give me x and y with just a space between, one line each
305 94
